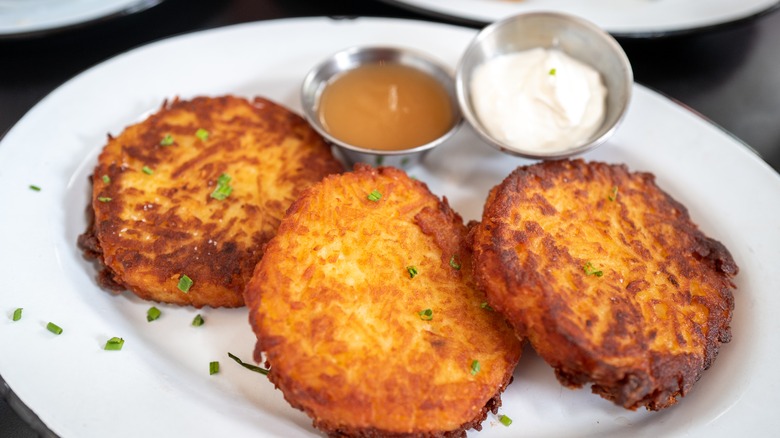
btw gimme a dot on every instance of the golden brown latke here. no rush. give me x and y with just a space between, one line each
608 278
336 301
155 218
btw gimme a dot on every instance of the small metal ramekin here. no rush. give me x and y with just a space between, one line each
574 36
318 78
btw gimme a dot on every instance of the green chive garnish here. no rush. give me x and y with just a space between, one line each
503 419
17 314
106 179
152 314
104 199
35 188
223 189
553 71
167 140
474 367
591 270
54 328
249 366
613 194
202 134
412 271
486 306
374 196
213 368
147 170
114 344
185 283
198 320
380 159
454 263
426 315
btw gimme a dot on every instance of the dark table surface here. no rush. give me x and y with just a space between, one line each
730 74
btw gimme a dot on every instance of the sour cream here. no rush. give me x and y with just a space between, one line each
538 100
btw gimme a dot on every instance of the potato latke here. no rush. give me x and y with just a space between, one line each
607 277
366 313
194 192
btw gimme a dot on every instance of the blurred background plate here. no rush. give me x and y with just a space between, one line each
625 18
22 18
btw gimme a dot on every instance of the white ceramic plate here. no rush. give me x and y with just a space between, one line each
28 17
159 383
631 18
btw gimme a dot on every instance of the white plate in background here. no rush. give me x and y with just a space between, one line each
29 17
629 18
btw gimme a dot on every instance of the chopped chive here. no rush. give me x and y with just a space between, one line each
223 179
147 170
553 71
185 283
613 194
202 134
17 314
167 140
213 368
106 179
223 189
249 366
486 306
114 344
454 263
426 315
35 188
591 270
375 196
104 199
198 320
412 270
474 367
54 328
152 314
404 161
503 419
380 159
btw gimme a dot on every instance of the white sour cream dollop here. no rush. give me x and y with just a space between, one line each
539 100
